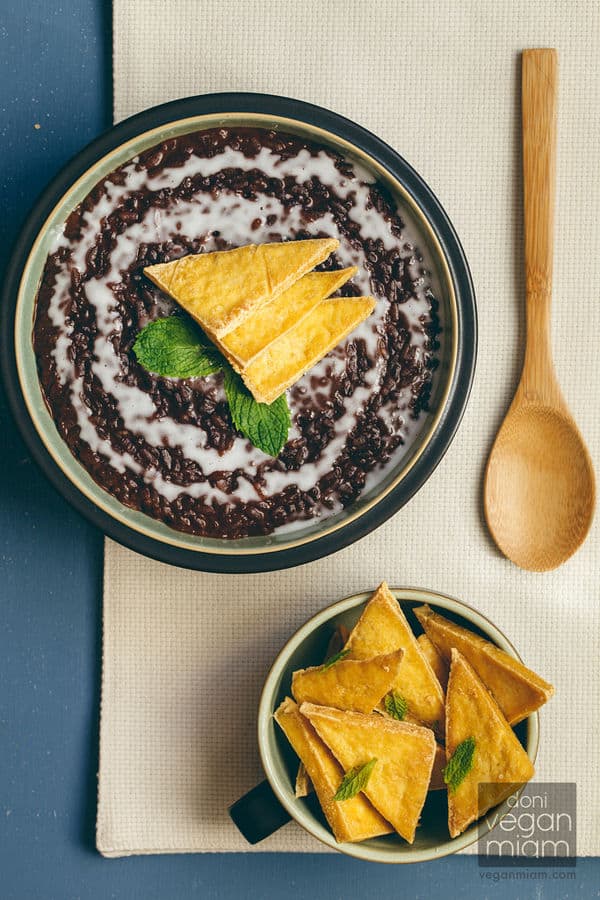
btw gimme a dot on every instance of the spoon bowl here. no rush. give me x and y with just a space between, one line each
540 487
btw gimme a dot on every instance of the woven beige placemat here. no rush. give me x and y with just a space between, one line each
185 654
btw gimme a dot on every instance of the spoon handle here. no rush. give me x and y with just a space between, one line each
539 87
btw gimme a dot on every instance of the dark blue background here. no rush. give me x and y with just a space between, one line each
55 72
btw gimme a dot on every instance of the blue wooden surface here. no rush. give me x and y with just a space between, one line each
55 74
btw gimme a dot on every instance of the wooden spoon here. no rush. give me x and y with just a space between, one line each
539 493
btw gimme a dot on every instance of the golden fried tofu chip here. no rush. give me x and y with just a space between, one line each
337 641
221 289
352 820
499 761
517 690
400 778
335 644
357 684
383 628
280 314
437 782
303 786
435 659
287 359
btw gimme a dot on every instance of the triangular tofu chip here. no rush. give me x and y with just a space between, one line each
353 820
499 761
400 778
287 359
435 659
280 314
335 644
357 684
437 782
382 628
221 289
517 690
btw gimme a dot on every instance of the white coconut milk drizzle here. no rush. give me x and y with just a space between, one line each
234 217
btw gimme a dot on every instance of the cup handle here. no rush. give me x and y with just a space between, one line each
258 813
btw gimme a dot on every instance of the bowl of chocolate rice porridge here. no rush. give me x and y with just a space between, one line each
157 462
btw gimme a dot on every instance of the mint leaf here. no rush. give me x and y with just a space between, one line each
334 659
176 348
354 781
395 705
459 764
266 425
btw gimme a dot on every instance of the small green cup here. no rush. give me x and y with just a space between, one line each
272 803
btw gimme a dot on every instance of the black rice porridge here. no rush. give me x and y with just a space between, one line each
168 447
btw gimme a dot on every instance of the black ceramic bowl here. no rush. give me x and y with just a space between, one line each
452 382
